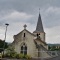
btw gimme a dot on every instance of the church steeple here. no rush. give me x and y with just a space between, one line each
39 27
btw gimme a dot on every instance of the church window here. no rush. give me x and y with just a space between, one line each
24 34
24 49
37 35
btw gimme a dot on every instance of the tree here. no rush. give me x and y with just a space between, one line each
2 45
10 52
53 48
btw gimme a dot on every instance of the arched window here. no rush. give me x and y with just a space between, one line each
24 49
38 35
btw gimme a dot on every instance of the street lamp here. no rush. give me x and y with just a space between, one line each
5 37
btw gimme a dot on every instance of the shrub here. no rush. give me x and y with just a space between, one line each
21 56
7 55
13 55
17 56
0 55
27 56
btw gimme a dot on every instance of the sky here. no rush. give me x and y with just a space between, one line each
19 12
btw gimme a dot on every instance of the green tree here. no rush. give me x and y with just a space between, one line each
10 52
2 45
53 48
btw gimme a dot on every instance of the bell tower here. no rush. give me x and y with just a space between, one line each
39 29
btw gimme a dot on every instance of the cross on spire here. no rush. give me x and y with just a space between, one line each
39 10
25 26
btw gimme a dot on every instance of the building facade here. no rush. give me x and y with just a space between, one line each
32 44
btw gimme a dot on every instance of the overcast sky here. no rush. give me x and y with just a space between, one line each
20 12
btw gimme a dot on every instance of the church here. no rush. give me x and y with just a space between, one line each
32 44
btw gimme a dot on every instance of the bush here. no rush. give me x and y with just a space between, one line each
27 56
10 54
13 55
0 55
7 55
19 56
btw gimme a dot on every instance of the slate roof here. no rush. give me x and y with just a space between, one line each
40 40
41 46
39 27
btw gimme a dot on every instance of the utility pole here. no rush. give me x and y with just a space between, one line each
5 37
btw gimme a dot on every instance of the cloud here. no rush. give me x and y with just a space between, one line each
53 34
16 16
51 16
54 10
28 6
2 33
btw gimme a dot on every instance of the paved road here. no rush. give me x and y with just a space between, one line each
54 58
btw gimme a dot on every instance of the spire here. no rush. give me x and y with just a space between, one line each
39 27
39 10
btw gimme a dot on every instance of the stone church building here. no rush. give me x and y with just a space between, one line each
32 44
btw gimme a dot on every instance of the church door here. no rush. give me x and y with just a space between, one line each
24 49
